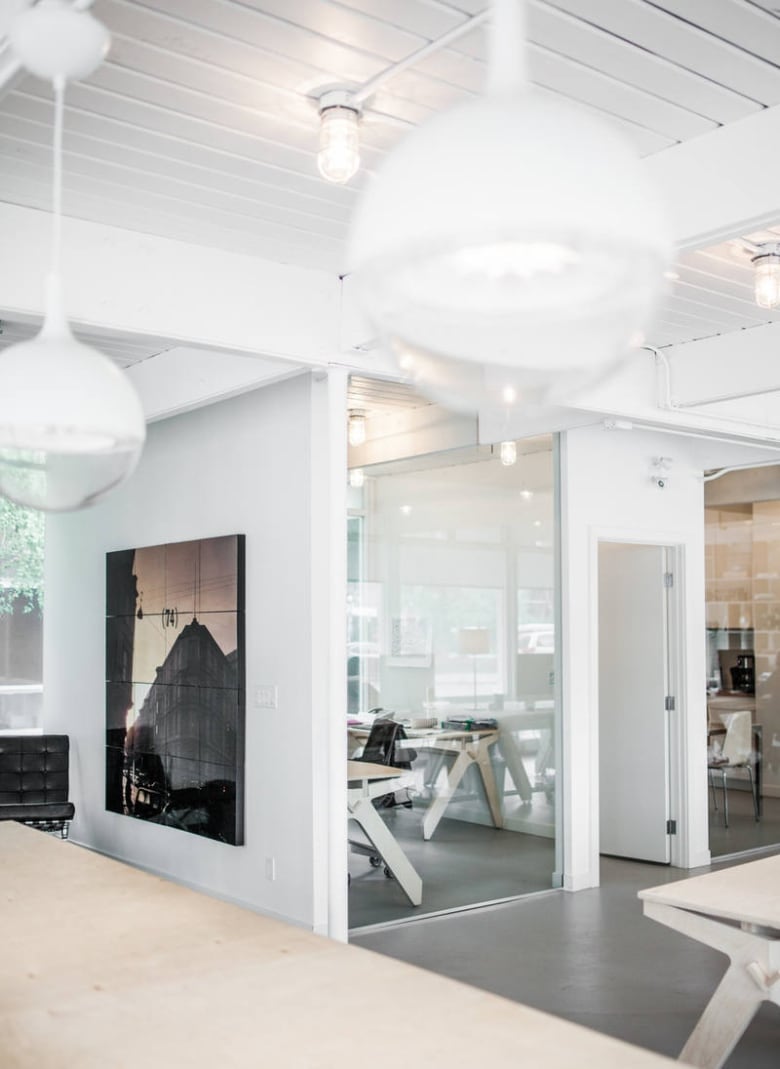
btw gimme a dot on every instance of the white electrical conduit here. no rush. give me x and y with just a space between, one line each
740 467
731 439
370 87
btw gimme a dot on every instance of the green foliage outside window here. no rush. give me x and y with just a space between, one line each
21 557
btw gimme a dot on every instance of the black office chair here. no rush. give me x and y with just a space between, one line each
382 749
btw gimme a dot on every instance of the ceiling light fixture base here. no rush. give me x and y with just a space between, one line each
339 155
58 42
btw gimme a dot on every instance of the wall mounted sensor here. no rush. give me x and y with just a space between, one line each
659 471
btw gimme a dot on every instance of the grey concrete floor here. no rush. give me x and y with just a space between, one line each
590 957
463 864
743 832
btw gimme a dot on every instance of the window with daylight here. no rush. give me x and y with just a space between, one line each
21 618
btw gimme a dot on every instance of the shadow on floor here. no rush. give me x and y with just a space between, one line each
590 957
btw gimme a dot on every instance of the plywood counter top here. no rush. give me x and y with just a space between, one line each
107 967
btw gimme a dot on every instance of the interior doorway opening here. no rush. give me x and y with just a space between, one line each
637 699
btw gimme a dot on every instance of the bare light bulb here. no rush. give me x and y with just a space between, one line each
339 155
767 277
356 428
508 453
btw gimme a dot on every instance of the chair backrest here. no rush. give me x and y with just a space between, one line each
738 743
33 769
381 743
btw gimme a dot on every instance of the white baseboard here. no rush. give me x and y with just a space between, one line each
580 881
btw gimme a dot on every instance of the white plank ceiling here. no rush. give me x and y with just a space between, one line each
124 349
202 123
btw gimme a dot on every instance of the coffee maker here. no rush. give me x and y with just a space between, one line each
743 674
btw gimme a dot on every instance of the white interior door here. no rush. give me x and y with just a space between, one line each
633 685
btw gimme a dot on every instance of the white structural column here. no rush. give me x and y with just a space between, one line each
329 684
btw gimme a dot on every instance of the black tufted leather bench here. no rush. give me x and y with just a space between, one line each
34 781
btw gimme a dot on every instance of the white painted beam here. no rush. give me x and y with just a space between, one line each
726 366
723 183
191 294
185 378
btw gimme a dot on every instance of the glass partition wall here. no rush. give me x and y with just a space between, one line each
743 659
451 633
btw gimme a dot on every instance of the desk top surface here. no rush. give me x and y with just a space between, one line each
421 734
749 893
106 965
369 770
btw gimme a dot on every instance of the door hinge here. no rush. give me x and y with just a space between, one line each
669 703
668 579
671 827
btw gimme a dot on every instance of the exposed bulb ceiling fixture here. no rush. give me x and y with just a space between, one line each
356 427
508 453
488 264
71 424
339 155
766 262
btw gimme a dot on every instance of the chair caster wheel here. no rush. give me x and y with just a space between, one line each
388 873
375 862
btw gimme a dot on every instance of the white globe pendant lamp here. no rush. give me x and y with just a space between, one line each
71 424
511 250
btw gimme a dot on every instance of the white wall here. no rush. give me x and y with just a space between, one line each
608 493
242 466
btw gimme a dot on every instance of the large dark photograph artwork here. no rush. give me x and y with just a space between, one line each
175 694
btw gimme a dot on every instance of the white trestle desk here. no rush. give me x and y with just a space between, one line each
106 966
469 747
736 911
367 781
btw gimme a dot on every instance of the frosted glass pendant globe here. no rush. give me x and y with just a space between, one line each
513 232
71 425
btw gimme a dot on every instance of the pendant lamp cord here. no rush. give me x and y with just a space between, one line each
507 48
56 225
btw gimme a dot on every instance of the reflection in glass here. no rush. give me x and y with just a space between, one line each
742 560
451 630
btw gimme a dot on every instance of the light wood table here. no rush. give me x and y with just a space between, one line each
107 966
367 781
737 911
470 748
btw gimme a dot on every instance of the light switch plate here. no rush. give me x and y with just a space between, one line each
267 696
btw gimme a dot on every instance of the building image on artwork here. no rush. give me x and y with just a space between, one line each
175 686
